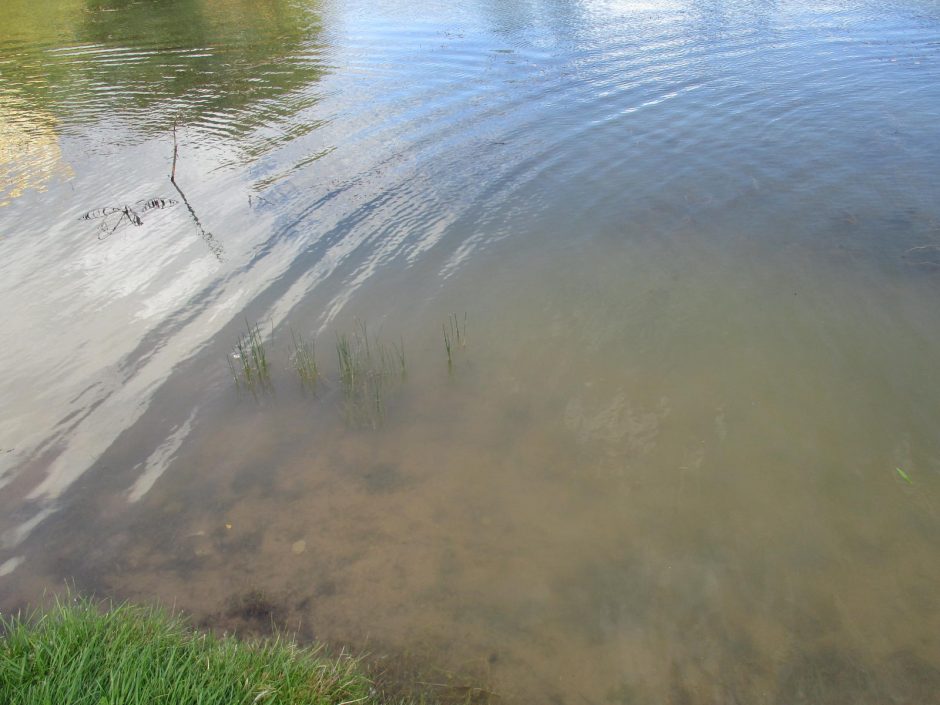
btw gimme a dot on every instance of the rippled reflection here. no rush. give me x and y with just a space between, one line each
29 150
228 66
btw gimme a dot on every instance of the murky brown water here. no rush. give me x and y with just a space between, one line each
695 245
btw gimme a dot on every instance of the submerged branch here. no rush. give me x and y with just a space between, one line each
215 247
175 154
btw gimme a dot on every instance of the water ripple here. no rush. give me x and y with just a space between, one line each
370 142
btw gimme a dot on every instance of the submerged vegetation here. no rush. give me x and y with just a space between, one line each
369 371
304 360
248 361
131 655
454 338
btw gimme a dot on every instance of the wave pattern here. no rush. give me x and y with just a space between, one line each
333 148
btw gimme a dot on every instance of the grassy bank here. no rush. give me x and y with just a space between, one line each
78 654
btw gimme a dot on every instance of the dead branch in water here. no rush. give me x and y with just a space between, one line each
215 247
175 154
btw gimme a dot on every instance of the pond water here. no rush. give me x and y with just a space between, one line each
687 447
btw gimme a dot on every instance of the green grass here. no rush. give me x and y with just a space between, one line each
304 360
81 652
248 361
369 371
76 654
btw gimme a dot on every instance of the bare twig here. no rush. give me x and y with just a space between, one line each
215 247
175 153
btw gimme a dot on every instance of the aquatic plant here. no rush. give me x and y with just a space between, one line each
248 360
304 360
454 338
369 370
449 348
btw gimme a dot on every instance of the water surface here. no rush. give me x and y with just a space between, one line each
687 451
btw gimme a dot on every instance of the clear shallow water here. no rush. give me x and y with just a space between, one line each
697 248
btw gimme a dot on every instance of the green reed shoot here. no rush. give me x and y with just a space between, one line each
454 337
304 359
448 347
369 370
248 361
